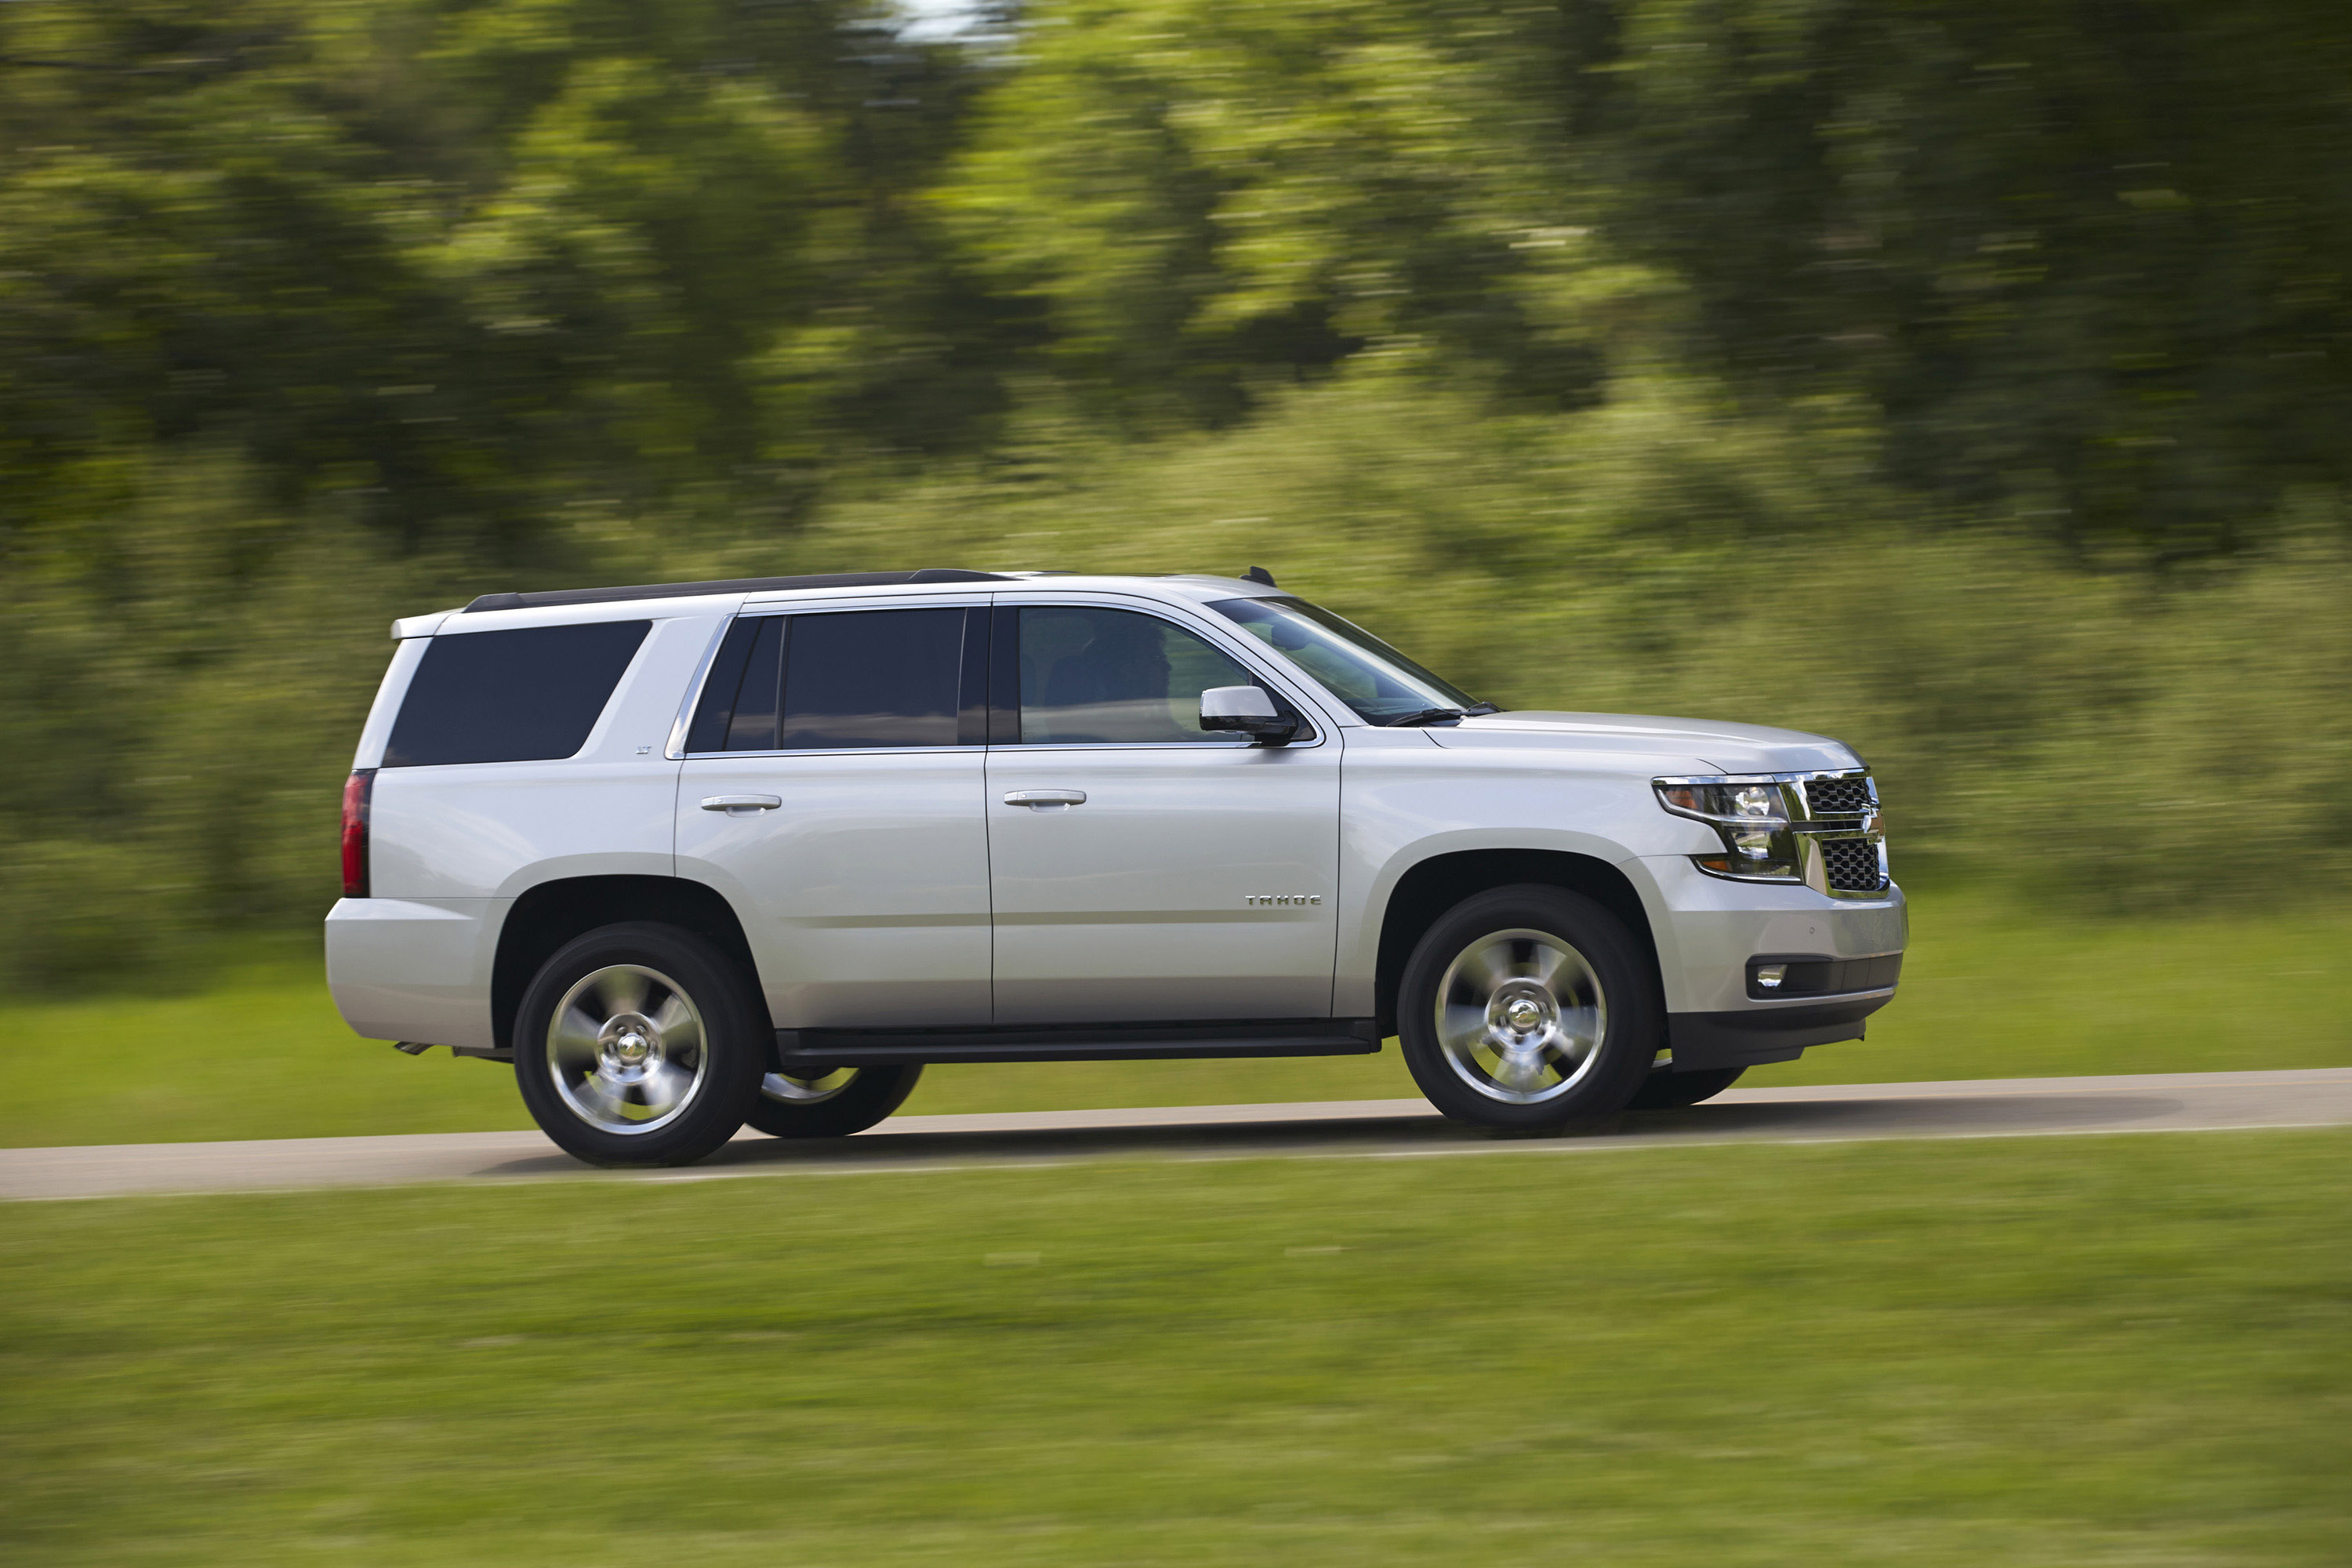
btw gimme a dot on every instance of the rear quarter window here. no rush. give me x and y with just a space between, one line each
523 696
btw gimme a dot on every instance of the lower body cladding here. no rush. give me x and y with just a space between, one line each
828 1049
1700 1041
1720 942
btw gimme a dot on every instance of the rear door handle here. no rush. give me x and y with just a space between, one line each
741 805
1045 797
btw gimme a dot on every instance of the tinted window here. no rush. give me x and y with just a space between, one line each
873 677
1092 676
510 697
751 726
714 714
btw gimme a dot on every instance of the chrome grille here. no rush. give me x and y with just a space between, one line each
1826 798
1851 865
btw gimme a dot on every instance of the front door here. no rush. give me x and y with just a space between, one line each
1144 868
833 792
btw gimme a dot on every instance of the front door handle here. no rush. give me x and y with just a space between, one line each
741 805
1035 798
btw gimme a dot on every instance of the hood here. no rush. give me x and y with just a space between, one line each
1717 746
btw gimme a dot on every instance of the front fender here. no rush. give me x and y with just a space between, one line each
1406 801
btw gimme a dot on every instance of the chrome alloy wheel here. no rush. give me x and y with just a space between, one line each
807 1090
1521 1016
625 1049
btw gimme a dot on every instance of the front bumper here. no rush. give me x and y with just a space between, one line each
1708 930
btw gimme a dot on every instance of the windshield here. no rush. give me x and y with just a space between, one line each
1380 684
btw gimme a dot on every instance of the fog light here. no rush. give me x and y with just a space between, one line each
1769 975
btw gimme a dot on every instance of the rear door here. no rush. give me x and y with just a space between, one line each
1145 870
831 791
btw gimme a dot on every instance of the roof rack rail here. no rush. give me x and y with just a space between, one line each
729 586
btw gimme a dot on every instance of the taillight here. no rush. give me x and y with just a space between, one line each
357 789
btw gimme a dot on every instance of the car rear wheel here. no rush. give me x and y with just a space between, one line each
831 1105
1528 1008
1666 1089
640 1044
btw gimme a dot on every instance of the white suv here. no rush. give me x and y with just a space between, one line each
709 853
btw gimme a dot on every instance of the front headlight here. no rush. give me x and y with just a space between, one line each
1752 817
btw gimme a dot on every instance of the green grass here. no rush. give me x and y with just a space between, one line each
1993 991
2095 1351
1987 992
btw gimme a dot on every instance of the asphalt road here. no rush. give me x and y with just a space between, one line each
1358 1128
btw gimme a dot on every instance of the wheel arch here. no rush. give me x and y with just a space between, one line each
545 916
1430 888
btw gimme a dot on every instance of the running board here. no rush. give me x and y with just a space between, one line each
831 1049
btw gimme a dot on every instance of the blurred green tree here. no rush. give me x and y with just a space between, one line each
447 267
2083 261
1689 327
2088 259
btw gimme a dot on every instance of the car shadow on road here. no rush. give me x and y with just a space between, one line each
1782 1120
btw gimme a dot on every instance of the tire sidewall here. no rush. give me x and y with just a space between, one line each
1628 981
735 1040
864 1101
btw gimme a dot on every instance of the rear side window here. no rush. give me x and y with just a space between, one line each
510 697
856 679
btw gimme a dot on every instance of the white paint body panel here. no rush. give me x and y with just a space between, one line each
1717 926
1581 783
865 895
1136 905
1711 746
895 888
487 830
1411 798
468 839
403 969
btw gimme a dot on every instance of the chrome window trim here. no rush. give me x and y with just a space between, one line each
831 752
1030 746
1216 745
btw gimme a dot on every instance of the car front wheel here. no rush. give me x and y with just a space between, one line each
1528 1008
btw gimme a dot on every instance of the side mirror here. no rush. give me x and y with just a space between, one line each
1248 709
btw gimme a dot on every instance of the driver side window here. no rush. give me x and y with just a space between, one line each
1093 677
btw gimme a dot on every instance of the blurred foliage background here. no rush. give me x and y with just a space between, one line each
1971 382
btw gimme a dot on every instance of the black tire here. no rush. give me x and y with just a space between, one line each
1579 1062
871 1094
578 1086
1666 1089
